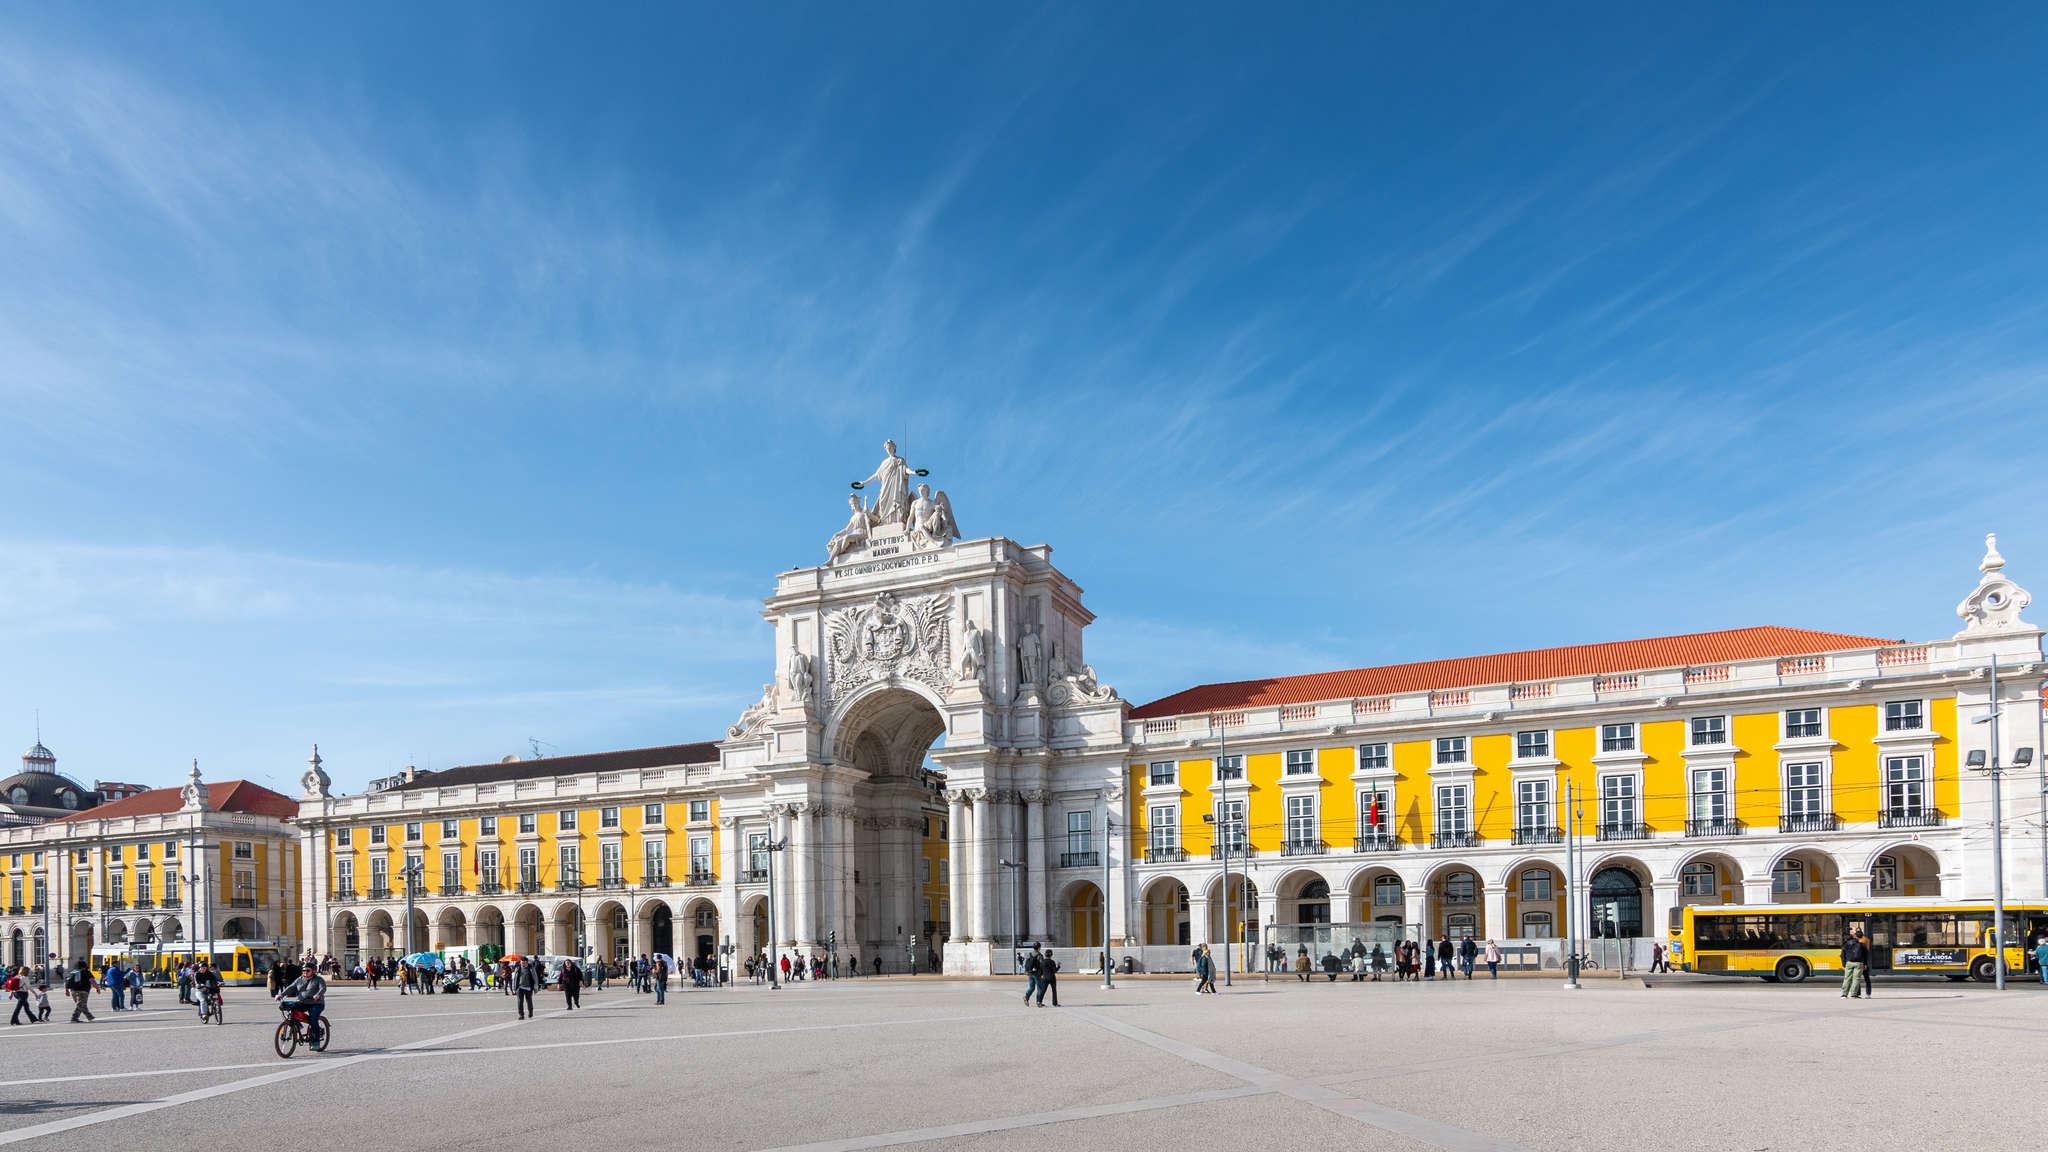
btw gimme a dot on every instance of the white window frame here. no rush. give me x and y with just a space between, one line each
1819 723
343 837
1533 744
1162 773
1379 886
1230 823
1453 750
1884 876
1229 767
1620 736
1453 807
1537 884
1304 823
451 829
611 862
1917 784
1366 828
652 814
1298 762
1781 885
1376 756
487 826
1690 881
1162 829
1818 786
415 831
1714 803
377 834
700 811
529 823
1609 796
1530 794
565 821
1716 723
1916 709
243 850
608 817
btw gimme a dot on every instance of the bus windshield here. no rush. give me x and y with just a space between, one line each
262 960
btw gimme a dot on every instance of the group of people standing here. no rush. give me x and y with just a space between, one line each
1410 960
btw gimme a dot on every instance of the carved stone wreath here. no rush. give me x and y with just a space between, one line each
890 638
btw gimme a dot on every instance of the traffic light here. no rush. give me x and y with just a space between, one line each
913 941
832 940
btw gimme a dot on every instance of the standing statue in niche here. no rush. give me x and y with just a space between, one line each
801 679
891 483
974 652
1029 652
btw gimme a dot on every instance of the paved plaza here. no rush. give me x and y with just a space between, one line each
1520 1063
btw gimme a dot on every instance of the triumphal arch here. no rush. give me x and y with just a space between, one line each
910 644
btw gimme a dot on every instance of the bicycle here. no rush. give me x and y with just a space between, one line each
297 1028
1584 962
212 1009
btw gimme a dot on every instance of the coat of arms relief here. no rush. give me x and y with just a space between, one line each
890 638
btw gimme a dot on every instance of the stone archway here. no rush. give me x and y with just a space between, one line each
867 830
451 928
1166 917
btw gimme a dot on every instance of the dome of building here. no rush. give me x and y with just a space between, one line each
37 789
38 757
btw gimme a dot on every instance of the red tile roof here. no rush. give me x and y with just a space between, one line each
1511 667
221 796
625 760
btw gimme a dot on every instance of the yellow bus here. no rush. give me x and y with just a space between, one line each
1786 943
237 961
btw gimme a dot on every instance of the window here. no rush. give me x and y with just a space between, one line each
1905 780
529 823
1301 762
1618 802
1374 812
1230 767
945 876
114 854
1313 905
1536 926
1884 877
607 817
700 811
244 850
117 883
925 869
1163 830
412 830
565 820
1461 925
1788 878
700 855
82 856
170 849
529 866
1230 814
1461 888
757 853
651 814
1301 820
1710 795
1450 750
1617 737
487 826
1800 722
1802 791
654 858
344 877
1162 772
1080 836
1903 716
380 875
1452 817
415 875
1373 757
451 869
569 863
1532 805
1536 884
451 830
487 864
1386 892
1532 745
376 833
1709 730
1701 881
81 892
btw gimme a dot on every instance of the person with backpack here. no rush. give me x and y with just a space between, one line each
16 986
1048 980
78 984
1034 974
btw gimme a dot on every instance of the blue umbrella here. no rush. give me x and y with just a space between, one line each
424 960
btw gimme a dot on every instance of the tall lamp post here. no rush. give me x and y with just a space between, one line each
1012 886
1978 761
1108 825
1571 872
1225 827
773 846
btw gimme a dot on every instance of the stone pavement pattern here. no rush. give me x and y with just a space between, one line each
869 1064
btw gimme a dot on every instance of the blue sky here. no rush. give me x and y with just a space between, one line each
422 379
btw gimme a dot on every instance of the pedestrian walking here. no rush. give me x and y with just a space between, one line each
16 986
1205 970
520 979
1049 980
2041 958
42 1003
1855 956
572 985
1034 973
135 990
1468 951
1445 951
1493 960
78 983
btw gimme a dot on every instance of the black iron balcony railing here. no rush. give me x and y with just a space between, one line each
1237 852
1080 859
1919 819
490 887
611 881
1539 835
339 894
754 876
528 887
1456 840
145 904
1624 832
16 910
702 878
241 901
655 879
1815 823
1376 842
1165 854
1721 826
1304 848
379 892
451 889
117 905
166 902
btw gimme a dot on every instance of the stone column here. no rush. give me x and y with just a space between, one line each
959 867
803 875
1415 909
1038 915
825 869
987 884
1116 901
849 888
1341 911
782 932
1494 925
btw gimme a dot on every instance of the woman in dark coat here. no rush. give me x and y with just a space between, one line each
572 984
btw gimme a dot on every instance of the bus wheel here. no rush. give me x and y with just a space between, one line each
1980 970
1792 970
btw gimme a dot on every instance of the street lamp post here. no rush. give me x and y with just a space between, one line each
1979 761
1107 967
1571 920
773 846
411 874
1225 826
1012 886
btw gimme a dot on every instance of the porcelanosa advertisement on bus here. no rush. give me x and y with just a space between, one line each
1930 957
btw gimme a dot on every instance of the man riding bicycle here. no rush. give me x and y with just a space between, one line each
206 982
308 994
